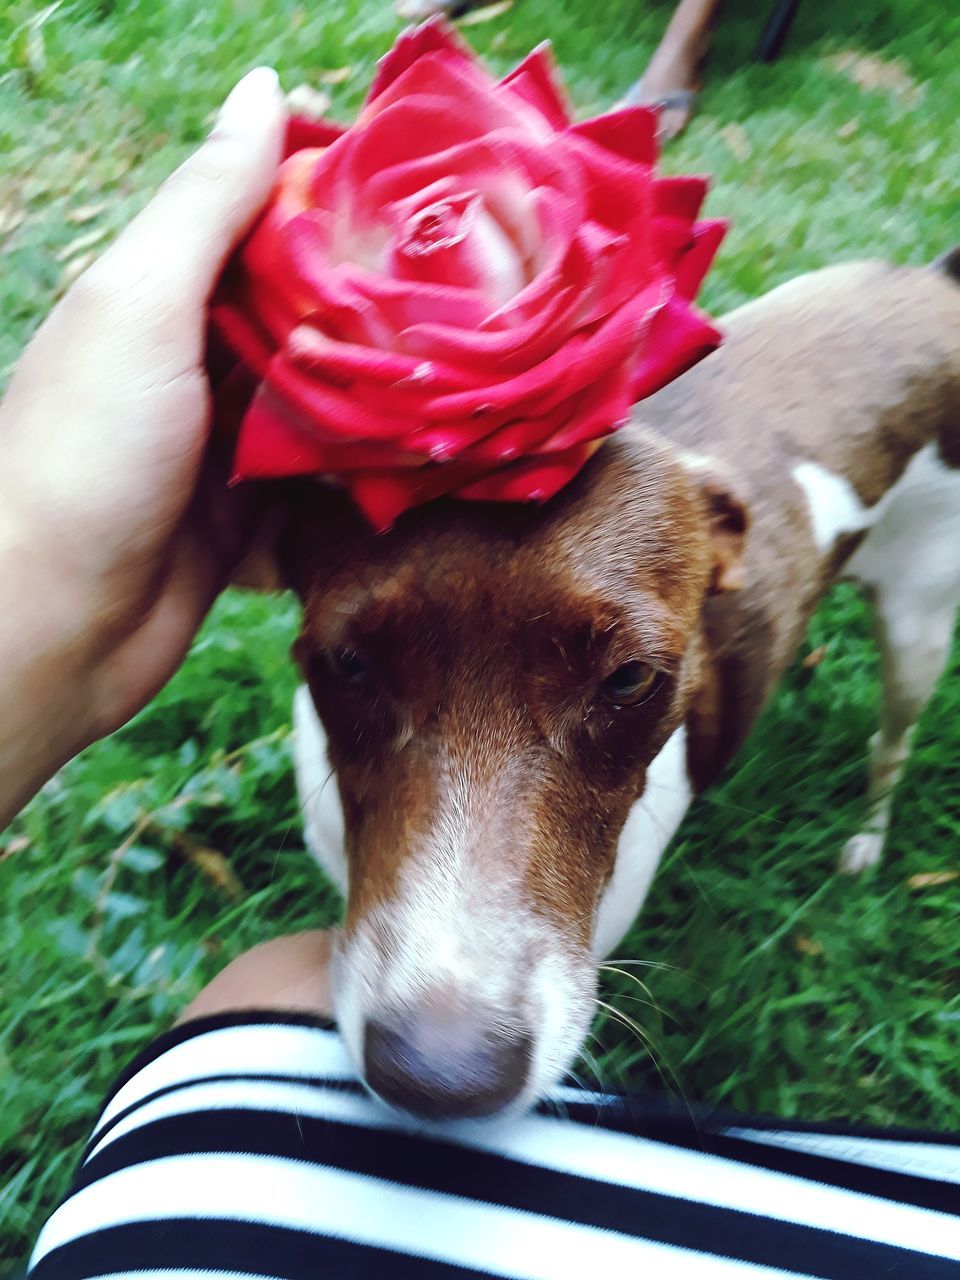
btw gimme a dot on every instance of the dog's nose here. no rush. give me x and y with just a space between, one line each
444 1065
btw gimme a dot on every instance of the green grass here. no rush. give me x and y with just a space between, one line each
161 853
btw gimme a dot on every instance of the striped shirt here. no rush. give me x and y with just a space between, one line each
245 1146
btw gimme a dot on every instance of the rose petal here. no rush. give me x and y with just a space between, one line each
530 325
617 265
681 195
433 36
303 133
695 263
270 446
415 128
499 351
457 242
584 357
514 439
287 256
602 407
334 411
618 190
671 241
239 330
383 495
403 304
468 95
504 162
297 268
536 80
532 480
292 267
678 337
313 351
463 438
630 133
557 218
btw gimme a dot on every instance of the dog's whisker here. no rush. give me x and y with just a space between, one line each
663 1012
655 1052
590 1061
655 821
649 964
648 996
614 1073
593 1035
631 977
306 799
659 1060
624 1020
692 873
720 803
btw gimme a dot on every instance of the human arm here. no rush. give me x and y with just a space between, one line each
116 528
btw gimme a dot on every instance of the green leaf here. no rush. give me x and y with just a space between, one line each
142 859
122 906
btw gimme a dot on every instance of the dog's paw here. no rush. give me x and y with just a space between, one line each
861 852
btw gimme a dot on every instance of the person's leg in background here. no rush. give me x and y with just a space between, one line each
672 79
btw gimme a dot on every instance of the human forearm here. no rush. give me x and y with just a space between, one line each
43 689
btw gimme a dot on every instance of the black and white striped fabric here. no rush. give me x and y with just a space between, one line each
245 1147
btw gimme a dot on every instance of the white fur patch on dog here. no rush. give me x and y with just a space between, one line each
648 830
317 791
834 506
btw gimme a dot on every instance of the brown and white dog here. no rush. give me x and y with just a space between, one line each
517 703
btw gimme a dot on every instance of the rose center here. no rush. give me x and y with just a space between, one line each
439 226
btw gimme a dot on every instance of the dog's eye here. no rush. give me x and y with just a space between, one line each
630 684
349 666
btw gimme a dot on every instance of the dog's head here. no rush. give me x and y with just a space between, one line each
495 684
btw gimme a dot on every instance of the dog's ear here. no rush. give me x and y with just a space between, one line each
728 519
297 529
261 568
729 522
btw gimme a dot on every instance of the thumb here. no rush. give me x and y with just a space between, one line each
170 256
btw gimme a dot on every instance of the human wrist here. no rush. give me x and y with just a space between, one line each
44 681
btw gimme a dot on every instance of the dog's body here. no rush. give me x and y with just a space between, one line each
846 439
505 798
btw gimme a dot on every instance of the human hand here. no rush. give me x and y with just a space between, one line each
115 524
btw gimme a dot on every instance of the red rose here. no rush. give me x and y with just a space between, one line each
461 293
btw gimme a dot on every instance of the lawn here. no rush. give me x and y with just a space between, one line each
773 984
